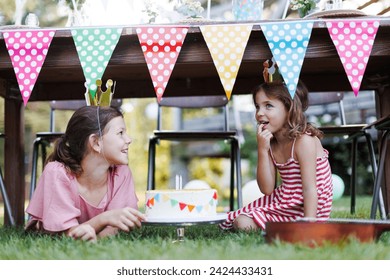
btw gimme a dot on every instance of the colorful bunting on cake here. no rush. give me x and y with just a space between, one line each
161 46
288 42
27 50
150 202
353 40
95 47
227 44
182 205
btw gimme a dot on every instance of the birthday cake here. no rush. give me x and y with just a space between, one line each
181 204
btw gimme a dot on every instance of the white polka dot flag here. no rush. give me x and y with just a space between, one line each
161 46
95 47
353 40
227 44
288 42
27 50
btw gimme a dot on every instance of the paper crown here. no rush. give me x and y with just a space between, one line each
100 98
271 72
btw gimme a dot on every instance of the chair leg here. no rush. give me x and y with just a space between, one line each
232 164
235 169
238 175
353 175
34 168
379 175
152 164
371 151
7 204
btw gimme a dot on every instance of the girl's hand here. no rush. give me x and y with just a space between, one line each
84 232
264 137
125 219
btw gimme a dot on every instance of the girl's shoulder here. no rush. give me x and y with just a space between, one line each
121 173
56 168
120 170
306 141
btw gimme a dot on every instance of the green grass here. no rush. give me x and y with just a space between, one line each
201 242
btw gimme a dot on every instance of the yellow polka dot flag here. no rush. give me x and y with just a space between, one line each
227 44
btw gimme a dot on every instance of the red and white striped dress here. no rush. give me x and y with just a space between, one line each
286 201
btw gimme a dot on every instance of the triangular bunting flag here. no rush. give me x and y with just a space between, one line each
353 40
157 197
173 202
94 47
190 207
27 50
161 46
165 197
211 202
227 44
151 201
288 42
215 196
199 208
182 205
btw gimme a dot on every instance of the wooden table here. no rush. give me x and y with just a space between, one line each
194 74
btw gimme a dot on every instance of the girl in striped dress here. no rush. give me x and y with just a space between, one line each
289 145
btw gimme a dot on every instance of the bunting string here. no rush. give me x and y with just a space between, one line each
161 45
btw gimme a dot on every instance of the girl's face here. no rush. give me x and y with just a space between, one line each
270 112
116 142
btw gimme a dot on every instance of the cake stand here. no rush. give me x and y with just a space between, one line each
181 223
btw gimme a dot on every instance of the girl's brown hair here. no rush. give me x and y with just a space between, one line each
295 107
72 146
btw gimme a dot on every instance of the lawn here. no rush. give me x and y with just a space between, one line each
201 242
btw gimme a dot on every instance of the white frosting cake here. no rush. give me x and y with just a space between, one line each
179 204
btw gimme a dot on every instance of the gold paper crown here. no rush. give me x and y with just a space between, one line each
271 72
101 98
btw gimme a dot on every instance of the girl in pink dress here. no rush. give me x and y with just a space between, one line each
289 145
86 189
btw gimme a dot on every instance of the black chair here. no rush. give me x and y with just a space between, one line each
350 132
198 135
381 125
44 139
7 204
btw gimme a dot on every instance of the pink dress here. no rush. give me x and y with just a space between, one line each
285 203
56 204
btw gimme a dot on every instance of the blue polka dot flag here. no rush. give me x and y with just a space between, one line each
94 47
288 42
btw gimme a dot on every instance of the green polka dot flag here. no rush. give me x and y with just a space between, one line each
94 47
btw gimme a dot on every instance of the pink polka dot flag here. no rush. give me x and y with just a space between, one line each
27 50
161 46
353 40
